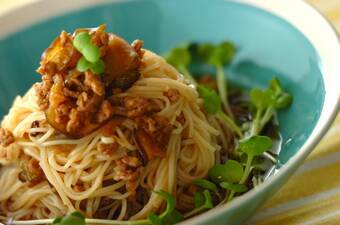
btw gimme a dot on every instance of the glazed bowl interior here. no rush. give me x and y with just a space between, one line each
267 46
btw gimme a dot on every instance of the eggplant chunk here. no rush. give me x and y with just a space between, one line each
77 102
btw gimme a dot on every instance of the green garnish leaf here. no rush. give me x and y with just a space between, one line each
275 86
154 219
98 67
170 216
218 56
258 163
57 221
222 54
198 199
231 171
262 99
75 218
91 52
204 51
283 101
237 188
211 99
170 202
273 96
83 64
212 105
255 145
179 56
173 218
203 201
206 184
266 102
192 48
207 200
81 40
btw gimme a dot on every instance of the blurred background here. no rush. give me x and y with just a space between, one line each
330 8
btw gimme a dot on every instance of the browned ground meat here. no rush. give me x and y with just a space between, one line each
77 103
6 137
94 82
108 149
172 94
138 106
127 168
42 90
35 124
31 172
181 118
153 134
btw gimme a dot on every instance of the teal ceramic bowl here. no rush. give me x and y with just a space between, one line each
276 38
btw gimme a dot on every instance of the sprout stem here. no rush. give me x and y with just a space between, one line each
230 123
246 170
255 128
222 89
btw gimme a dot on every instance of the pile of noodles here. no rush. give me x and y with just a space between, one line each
193 148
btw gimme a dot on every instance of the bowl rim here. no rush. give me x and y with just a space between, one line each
298 13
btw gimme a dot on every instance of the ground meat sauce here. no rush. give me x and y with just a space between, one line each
77 103
6 137
172 94
153 134
31 173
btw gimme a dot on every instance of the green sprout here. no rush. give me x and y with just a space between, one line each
226 174
231 171
180 58
218 56
236 188
212 105
170 215
206 184
203 201
91 54
75 218
252 147
266 102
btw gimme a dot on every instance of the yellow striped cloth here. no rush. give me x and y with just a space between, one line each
312 195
